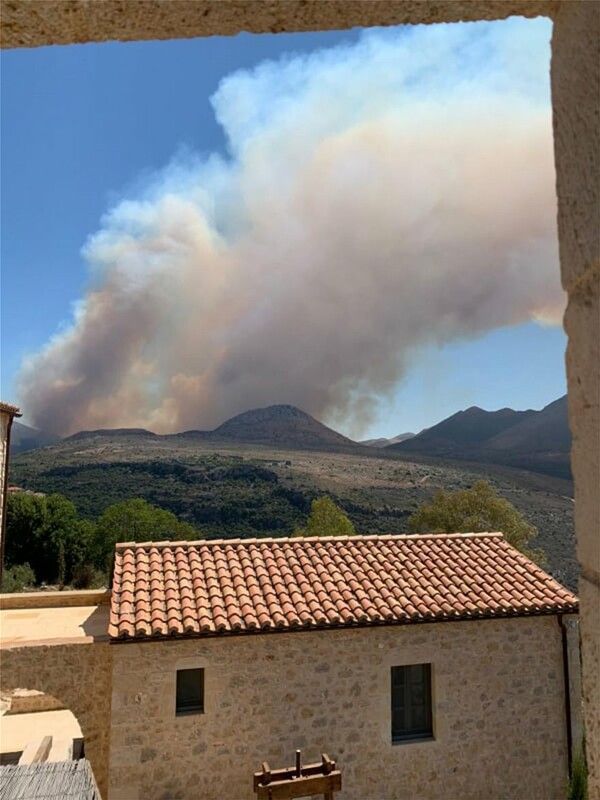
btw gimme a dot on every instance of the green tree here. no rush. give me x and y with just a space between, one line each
135 520
476 510
46 532
326 519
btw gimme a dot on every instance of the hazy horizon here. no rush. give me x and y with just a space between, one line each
23 421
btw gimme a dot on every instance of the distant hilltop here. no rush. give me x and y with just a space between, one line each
111 432
282 425
402 437
22 438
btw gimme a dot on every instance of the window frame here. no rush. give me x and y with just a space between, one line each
413 733
182 708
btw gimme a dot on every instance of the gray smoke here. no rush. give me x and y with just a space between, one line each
377 198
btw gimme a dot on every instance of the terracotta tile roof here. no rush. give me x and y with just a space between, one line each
230 586
6 408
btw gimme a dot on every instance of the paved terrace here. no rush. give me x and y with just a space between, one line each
18 730
44 618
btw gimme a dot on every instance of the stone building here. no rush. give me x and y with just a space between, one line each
7 416
427 666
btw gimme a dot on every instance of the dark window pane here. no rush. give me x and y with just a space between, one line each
417 694
418 718
411 702
190 690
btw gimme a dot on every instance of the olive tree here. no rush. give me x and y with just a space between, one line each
476 510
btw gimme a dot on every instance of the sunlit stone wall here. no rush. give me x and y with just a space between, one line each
7 415
77 677
498 712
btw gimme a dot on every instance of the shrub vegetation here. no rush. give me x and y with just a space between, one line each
20 578
476 510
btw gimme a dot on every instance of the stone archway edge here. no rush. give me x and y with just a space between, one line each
27 23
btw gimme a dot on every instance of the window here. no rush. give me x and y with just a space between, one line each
190 691
411 703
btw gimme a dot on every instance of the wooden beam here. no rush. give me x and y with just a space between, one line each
36 751
288 773
288 789
266 774
328 764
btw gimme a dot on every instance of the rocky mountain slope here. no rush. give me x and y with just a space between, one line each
533 440
111 433
23 438
279 425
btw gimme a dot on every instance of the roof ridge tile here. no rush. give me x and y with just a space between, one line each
120 546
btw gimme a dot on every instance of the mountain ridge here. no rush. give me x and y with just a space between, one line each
24 437
538 441
110 432
276 425
534 440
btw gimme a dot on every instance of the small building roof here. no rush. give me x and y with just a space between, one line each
6 408
252 585
67 780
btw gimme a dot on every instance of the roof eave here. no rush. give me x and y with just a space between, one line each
523 614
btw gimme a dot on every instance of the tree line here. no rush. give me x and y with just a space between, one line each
47 542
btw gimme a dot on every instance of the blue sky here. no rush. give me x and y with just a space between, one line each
85 126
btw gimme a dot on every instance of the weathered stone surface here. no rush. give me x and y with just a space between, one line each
576 112
590 657
79 677
7 415
499 714
582 319
582 322
29 24
575 84
26 701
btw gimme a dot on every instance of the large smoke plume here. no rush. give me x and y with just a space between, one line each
377 198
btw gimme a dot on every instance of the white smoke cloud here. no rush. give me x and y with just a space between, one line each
377 198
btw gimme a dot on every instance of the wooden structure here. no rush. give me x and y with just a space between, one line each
299 781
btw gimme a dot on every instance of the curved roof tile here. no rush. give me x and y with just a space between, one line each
239 586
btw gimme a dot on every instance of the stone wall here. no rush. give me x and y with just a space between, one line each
78 598
498 698
28 701
27 24
576 109
78 676
5 421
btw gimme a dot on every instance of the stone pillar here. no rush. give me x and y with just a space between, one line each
7 415
576 110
